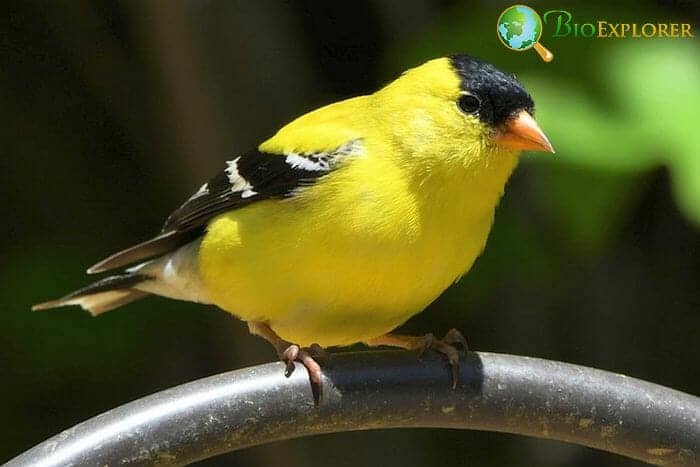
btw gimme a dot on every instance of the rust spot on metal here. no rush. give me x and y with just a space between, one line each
661 452
608 431
585 423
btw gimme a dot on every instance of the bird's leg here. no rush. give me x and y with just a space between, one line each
289 353
446 346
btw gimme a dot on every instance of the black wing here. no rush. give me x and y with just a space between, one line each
246 179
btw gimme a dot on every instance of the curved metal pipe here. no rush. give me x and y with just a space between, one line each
387 389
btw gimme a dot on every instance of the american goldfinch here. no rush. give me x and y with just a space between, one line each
348 221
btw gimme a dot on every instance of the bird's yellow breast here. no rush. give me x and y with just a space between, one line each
344 261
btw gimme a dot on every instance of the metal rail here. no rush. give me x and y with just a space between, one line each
387 389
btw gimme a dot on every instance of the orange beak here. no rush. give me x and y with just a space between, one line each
522 133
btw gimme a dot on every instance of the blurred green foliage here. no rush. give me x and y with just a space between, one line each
114 112
614 110
649 120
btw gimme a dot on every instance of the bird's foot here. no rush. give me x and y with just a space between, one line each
448 346
290 353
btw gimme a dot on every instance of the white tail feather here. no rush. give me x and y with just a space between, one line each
96 303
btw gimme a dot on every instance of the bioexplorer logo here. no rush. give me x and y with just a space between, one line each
520 28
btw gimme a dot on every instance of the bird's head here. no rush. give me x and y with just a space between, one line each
460 107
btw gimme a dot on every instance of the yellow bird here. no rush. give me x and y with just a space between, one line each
348 221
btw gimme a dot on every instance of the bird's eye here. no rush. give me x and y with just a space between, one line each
469 104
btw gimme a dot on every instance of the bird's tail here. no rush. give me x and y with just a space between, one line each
103 295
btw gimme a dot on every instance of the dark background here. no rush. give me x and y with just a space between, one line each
113 113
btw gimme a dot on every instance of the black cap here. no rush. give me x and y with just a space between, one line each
502 96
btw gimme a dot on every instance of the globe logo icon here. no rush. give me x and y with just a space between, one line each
519 28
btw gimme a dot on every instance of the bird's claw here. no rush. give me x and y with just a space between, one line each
448 346
454 337
291 353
